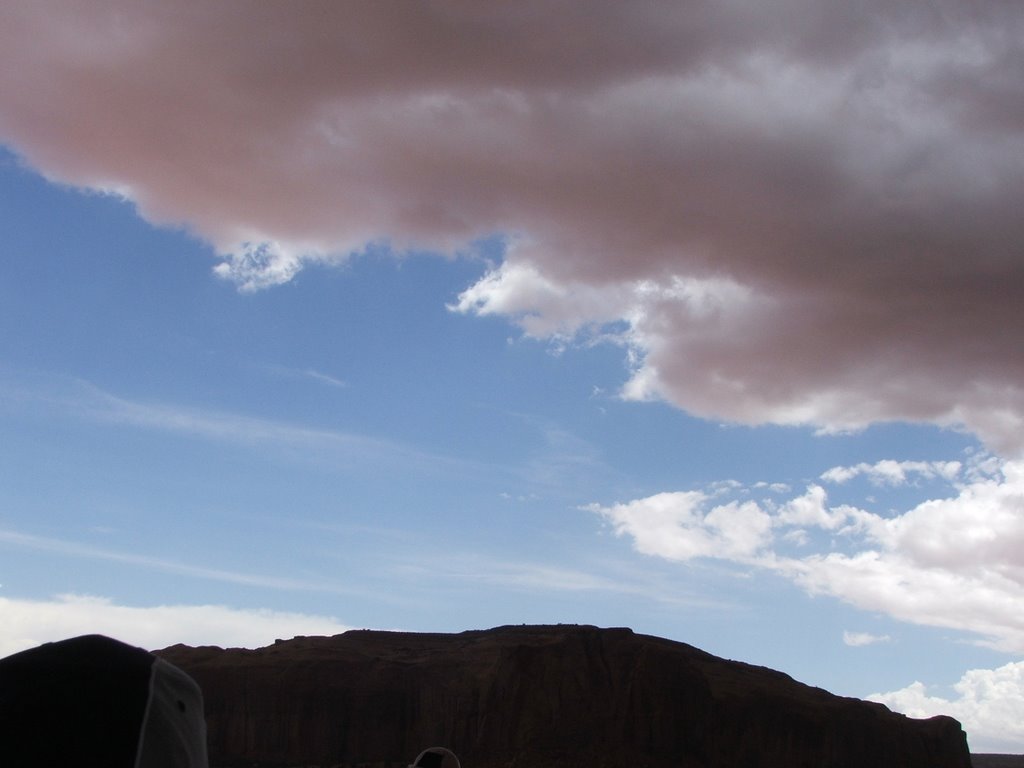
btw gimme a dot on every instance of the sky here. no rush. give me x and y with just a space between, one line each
703 319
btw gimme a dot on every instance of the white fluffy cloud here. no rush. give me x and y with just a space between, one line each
679 527
953 561
791 212
895 473
988 702
956 561
28 623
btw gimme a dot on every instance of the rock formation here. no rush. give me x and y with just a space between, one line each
534 697
997 761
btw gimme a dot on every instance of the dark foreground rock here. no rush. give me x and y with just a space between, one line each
538 697
997 761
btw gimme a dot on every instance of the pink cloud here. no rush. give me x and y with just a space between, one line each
803 214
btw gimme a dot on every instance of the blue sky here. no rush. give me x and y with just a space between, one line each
276 385
346 446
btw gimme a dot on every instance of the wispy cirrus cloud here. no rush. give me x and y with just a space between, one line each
308 374
860 639
76 399
790 213
528 576
559 463
24 540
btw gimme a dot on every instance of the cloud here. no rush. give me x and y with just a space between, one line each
79 399
954 561
858 639
988 702
309 374
792 212
810 510
677 526
28 623
76 549
894 473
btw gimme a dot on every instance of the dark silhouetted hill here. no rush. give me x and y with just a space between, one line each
538 697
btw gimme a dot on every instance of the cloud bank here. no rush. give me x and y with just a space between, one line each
791 212
953 561
28 623
988 702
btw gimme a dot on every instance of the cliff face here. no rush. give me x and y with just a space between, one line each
533 697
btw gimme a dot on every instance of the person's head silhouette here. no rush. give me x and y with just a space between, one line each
436 757
92 700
